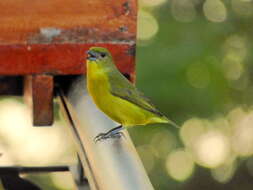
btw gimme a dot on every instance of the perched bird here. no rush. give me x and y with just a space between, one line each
116 96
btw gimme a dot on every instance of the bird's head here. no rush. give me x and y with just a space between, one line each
98 54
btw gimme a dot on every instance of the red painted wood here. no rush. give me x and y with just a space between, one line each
74 21
51 36
58 59
38 94
44 38
42 93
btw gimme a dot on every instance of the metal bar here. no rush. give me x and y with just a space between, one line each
22 169
110 164
76 170
77 139
81 183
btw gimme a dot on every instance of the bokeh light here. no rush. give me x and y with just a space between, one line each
147 26
151 3
211 149
183 10
202 54
233 70
180 165
215 10
25 145
237 46
243 8
243 138
29 145
235 53
224 173
162 143
191 130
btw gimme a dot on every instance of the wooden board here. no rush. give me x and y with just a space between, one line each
38 94
40 39
51 36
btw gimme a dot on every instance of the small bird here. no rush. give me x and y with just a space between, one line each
116 96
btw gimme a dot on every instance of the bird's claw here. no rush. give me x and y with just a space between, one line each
104 136
99 137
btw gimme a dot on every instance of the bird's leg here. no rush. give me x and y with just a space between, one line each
113 133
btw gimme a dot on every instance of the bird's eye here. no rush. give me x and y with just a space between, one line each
103 55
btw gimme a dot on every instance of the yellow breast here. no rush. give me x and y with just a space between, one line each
99 89
118 109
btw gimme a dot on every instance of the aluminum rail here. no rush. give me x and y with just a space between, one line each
112 164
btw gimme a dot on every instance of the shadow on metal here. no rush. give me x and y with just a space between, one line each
11 180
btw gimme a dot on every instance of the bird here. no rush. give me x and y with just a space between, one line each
116 96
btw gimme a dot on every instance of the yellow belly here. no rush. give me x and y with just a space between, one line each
118 109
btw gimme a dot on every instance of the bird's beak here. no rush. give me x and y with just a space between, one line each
91 55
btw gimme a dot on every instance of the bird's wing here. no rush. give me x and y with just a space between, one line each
122 88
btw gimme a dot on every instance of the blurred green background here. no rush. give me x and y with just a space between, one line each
194 62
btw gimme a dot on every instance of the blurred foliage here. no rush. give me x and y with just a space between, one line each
194 61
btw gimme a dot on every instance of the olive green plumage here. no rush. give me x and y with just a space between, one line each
115 95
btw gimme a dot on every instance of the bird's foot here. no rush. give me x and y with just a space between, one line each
104 136
114 133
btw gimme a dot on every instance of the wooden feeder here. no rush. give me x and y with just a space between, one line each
43 39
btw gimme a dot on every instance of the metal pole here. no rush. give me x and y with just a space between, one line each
22 169
112 164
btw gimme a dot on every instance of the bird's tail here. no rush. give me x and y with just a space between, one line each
173 124
164 119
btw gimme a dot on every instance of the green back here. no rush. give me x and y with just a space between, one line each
122 88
